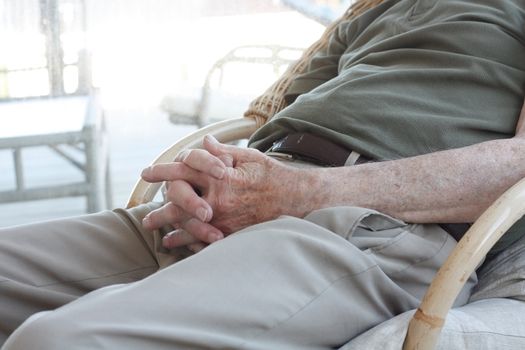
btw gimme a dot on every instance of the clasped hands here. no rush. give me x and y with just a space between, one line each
218 190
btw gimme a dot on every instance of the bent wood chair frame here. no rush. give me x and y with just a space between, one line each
426 324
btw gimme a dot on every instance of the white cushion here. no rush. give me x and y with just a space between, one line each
485 324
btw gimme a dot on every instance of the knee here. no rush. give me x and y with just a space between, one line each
42 331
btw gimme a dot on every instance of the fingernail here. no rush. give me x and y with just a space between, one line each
145 172
146 221
211 138
202 214
166 243
217 172
214 237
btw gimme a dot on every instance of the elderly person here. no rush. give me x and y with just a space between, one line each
396 137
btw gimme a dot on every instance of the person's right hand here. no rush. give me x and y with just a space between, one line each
192 165
254 188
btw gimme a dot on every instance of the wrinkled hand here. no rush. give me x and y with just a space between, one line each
238 187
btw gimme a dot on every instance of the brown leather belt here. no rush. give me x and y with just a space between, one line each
314 149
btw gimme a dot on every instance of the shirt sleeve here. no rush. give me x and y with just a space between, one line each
323 66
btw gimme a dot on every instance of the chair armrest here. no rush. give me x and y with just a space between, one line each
225 131
425 326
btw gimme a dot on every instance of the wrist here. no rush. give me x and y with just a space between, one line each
303 191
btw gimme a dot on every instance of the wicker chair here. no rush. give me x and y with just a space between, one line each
426 324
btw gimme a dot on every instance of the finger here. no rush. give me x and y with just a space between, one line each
178 238
197 247
219 149
202 231
183 196
226 159
173 171
203 161
167 214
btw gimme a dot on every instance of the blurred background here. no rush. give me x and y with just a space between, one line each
92 90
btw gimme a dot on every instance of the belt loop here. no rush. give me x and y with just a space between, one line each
352 158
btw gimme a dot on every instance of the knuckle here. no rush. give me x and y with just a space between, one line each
196 157
226 159
171 192
163 216
154 218
189 201
196 228
172 211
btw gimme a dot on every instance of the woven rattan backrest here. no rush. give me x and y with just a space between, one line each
272 101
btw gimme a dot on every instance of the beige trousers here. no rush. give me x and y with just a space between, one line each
102 282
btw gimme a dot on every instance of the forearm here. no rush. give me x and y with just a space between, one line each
449 186
443 187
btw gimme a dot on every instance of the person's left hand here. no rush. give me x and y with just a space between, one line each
247 189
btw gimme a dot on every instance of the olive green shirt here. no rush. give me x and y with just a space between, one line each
411 77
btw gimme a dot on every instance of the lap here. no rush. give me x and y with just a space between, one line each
288 283
78 248
46 265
